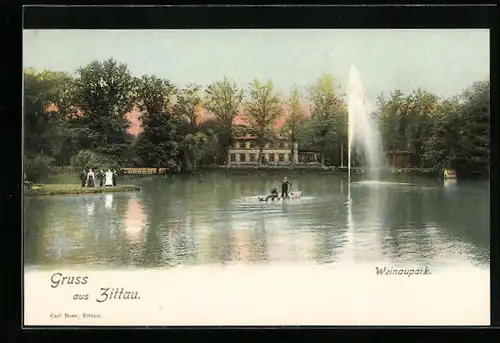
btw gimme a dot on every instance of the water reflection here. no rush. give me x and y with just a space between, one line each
135 220
108 201
258 241
215 219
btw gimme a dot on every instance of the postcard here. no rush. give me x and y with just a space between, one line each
256 177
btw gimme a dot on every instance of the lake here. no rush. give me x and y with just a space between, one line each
199 230
217 219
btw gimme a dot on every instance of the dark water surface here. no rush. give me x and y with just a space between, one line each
217 219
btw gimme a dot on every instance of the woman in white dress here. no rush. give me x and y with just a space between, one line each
109 178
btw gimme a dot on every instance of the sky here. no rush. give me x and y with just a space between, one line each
444 62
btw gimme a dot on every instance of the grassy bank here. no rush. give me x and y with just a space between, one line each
69 189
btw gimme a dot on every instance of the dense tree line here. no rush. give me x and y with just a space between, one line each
80 120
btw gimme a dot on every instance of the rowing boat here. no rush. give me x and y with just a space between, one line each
291 196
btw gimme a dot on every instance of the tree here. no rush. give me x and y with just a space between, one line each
328 126
223 99
295 118
104 94
440 133
157 145
394 120
422 108
441 142
406 122
188 104
263 108
47 102
473 152
194 146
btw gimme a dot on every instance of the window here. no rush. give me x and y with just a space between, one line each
252 157
243 157
289 157
233 157
250 145
271 157
281 157
282 145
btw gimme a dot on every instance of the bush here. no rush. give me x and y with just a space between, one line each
90 159
38 166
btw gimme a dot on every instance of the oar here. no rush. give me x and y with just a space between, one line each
291 184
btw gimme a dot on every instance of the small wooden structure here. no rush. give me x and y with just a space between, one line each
142 171
449 174
308 156
399 158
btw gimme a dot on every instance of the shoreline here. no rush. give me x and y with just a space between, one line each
76 189
295 170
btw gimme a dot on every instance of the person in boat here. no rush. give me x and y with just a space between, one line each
273 195
90 178
83 177
285 186
114 177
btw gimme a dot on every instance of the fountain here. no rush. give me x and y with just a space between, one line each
362 132
362 128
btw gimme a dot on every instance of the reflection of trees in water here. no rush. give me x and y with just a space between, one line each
132 225
330 239
159 250
106 237
153 249
172 244
408 237
221 243
258 241
423 248
241 250
405 236
34 223
367 205
65 230
422 223
189 238
462 219
170 233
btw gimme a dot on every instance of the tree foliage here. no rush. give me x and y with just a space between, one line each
104 94
223 99
440 133
46 131
295 119
327 128
263 108
157 145
81 120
